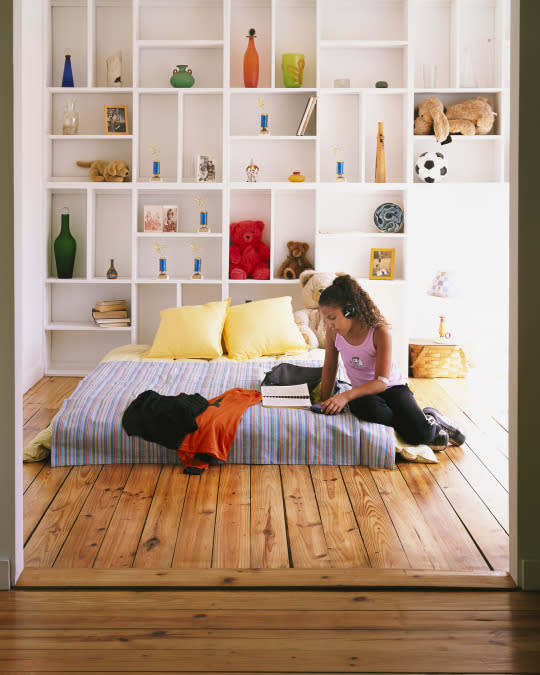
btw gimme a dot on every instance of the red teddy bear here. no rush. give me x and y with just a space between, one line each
248 255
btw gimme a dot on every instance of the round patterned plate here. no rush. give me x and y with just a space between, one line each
388 217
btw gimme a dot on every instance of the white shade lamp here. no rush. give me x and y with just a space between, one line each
442 286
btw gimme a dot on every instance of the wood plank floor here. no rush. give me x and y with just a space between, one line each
450 516
268 631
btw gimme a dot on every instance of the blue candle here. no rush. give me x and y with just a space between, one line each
155 168
197 267
340 168
162 264
204 216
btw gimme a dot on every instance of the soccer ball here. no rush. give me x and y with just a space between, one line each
431 167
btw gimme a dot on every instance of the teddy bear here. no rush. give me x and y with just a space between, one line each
296 262
309 320
249 256
101 170
470 117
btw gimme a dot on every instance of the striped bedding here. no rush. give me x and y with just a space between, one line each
88 430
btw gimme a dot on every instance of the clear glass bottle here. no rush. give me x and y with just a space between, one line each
111 272
70 119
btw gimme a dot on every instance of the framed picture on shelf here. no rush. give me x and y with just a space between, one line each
153 218
116 119
170 218
381 263
205 169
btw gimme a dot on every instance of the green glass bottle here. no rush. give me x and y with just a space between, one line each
64 249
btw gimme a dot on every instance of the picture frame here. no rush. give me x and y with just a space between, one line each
153 218
116 119
170 218
381 263
205 169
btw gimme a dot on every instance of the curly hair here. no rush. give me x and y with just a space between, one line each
346 291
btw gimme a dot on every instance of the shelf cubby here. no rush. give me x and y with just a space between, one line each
188 208
285 112
276 158
245 15
295 32
293 216
112 234
179 255
64 155
158 61
76 202
363 65
345 20
162 20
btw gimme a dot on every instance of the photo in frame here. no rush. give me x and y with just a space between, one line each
116 119
170 218
153 218
381 263
205 169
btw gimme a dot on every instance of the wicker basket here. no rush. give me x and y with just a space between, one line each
437 361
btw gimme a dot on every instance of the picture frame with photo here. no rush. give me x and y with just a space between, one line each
205 169
381 263
170 218
116 119
153 218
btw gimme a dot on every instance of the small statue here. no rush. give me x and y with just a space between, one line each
252 171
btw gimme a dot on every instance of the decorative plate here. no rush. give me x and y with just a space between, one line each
388 217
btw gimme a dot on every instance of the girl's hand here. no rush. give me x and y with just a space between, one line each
334 404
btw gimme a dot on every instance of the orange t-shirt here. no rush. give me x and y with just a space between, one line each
217 427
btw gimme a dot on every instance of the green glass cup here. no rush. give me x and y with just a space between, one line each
293 69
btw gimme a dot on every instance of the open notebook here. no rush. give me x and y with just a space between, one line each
286 396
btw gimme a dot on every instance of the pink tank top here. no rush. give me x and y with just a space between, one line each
359 361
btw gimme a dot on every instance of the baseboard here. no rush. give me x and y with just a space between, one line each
530 575
251 578
5 581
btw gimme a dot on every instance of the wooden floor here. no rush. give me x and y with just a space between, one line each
447 516
269 631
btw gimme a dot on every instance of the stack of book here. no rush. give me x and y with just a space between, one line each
111 313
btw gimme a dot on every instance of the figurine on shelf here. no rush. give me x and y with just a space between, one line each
156 164
264 118
197 262
252 171
203 217
340 171
162 274
67 76
380 162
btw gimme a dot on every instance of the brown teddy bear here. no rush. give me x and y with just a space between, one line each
101 170
470 117
296 261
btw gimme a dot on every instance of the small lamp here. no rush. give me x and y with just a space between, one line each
442 286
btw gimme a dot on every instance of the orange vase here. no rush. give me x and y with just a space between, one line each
251 62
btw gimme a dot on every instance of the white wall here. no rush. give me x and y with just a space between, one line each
29 81
467 231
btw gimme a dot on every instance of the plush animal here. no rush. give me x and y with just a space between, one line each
470 117
309 320
296 262
249 256
101 170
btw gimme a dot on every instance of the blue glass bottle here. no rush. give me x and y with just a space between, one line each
67 77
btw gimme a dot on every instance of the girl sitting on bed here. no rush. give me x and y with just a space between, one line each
356 329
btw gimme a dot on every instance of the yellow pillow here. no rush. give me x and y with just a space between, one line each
262 328
190 332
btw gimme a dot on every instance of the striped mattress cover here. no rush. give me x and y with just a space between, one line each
88 429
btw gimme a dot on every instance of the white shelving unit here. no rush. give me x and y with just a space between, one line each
362 40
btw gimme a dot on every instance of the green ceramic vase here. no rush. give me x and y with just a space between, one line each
65 247
182 77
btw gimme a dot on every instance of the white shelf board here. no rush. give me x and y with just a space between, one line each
267 282
90 280
462 139
82 326
269 137
236 91
362 44
174 185
89 137
376 91
176 280
463 91
70 182
90 90
178 90
179 235
269 184
355 233
179 44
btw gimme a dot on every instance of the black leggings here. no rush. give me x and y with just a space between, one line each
396 407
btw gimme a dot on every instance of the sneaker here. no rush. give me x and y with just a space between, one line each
457 437
440 442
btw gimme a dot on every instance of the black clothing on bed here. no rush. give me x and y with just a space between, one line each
163 419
